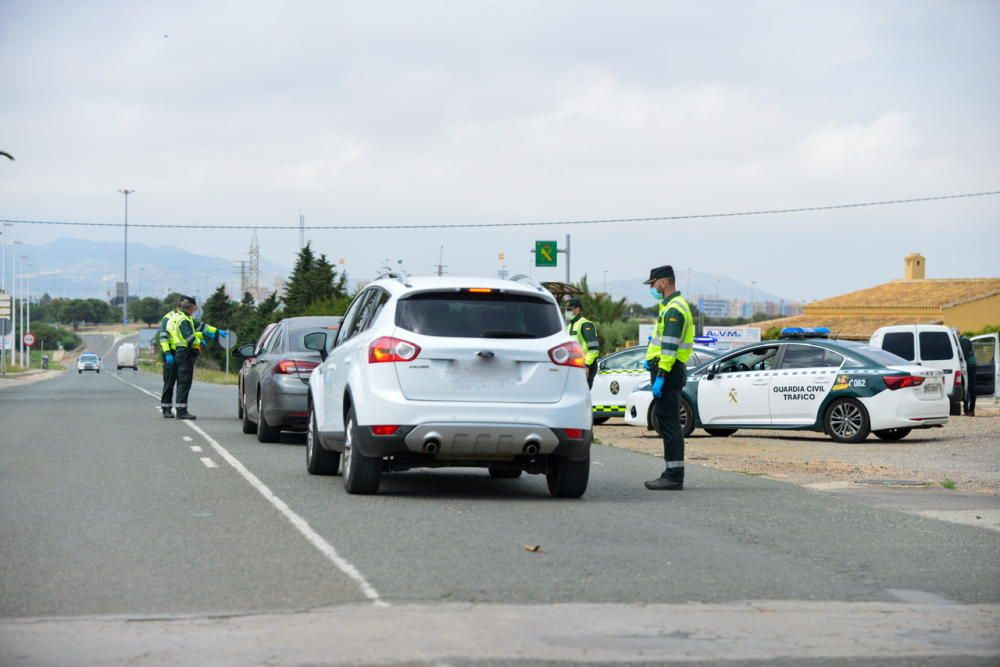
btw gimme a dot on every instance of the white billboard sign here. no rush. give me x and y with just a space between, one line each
729 338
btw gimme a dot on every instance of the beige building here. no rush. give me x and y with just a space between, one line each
966 304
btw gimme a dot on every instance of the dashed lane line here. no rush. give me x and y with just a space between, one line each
209 463
297 521
195 448
186 438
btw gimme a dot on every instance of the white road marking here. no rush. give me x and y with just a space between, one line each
195 448
186 438
209 463
300 524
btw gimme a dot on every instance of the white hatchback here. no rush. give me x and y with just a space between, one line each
447 371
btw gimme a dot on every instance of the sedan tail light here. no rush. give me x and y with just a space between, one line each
895 382
567 354
389 350
291 366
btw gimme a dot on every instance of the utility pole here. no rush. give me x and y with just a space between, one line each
27 327
126 192
440 266
3 290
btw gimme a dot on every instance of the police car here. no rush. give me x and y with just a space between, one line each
620 373
805 381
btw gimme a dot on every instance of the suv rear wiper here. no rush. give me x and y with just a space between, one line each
505 333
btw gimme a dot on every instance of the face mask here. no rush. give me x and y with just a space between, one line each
196 314
656 293
569 314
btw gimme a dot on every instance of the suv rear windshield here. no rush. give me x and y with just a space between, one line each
466 315
935 346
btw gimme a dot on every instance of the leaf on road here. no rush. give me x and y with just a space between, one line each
533 548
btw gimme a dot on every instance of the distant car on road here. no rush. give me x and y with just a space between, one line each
804 381
620 373
274 377
127 357
88 361
446 371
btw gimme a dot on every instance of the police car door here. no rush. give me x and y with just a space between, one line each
617 376
737 394
801 383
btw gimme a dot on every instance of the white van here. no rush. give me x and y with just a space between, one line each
127 357
987 349
932 345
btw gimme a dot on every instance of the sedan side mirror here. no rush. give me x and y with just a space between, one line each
316 341
244 351
713 370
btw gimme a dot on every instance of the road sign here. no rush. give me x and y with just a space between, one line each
29 339
227 342
546 253
5 305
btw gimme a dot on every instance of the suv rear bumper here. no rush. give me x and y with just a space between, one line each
472 442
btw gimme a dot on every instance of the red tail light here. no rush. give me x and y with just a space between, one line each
567 354
958 377
290 366
388 350
384 430
895 382
573 433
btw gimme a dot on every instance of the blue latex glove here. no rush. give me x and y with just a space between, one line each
658 386
223 333
209 334
168 359
648 365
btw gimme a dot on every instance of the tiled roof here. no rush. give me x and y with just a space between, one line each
934 293
857 327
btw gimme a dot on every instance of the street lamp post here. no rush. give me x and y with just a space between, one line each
24 296
126 192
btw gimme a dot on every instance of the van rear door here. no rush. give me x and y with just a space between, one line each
987 349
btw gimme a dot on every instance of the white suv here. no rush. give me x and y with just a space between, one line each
446 371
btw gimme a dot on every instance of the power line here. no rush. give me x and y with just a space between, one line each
544 223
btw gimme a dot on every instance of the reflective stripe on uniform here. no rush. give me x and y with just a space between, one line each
674 464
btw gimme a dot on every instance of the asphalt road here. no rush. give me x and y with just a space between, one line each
107 513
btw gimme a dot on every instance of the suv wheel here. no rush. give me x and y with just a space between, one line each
319 461
567 479
265 433
239 403
847 421
361 473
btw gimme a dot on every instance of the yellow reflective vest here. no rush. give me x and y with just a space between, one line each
585 333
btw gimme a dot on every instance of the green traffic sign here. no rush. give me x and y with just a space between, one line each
546 253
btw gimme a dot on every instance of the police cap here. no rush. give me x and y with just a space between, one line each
574 303
665 271
187 301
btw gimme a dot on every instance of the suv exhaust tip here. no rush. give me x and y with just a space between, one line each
531 449
432 446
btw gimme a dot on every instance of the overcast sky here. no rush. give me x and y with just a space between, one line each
449 112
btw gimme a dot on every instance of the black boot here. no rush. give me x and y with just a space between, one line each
185 415
168 414
670 480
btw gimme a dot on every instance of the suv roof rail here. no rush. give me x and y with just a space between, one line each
523 278
398 274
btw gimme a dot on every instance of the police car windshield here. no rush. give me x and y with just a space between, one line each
478 315
873 354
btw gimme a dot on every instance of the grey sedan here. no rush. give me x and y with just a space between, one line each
274 379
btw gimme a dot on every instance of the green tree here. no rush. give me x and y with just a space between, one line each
313 280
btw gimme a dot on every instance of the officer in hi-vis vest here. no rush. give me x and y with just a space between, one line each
585 333
675 338
186 335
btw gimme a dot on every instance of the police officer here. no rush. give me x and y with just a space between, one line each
186 335
585 333
968 351
675 339
169 367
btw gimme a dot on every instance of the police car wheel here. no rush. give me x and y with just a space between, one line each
847 421
601 420
720 432
892 434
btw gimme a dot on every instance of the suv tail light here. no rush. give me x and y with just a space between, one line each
388 350
958 377
895 382
290 366
567 354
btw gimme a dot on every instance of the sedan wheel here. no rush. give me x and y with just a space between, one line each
249 425
847 421
265 433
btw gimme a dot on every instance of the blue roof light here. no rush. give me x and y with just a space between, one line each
805 332
706 340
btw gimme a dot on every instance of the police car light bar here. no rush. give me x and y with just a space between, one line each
706 340
805 332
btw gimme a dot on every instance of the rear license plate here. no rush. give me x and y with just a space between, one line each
932 388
